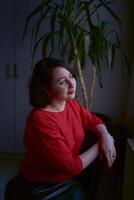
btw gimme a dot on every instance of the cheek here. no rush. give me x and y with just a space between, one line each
57 92
75 83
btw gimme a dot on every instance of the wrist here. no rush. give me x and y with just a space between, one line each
103 131
107 137
105 134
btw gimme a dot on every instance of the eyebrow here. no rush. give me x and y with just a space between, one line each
63 77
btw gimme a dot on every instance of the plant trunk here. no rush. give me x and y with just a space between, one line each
92 86
82 82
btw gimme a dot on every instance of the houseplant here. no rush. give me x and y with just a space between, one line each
78 33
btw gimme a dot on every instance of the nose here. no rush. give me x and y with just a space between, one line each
70 83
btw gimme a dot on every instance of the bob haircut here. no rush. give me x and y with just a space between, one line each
42 76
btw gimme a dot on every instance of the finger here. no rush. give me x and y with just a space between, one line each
111 155
108 159
111 158
114 153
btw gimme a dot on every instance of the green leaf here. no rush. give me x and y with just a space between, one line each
52 24
62 43
114 15
71 34
45 45
110 54
118 44
98 70
113 55
86 46
32 36
38 23
126 62
46 37
35 11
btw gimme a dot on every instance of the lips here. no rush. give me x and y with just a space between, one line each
71 92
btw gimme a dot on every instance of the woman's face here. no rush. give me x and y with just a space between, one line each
63 85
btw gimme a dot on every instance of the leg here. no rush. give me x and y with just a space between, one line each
67 190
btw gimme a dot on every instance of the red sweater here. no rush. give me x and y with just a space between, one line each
53 141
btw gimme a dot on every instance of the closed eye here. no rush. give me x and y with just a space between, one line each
62 82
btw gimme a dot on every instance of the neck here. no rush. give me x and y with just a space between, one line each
56 106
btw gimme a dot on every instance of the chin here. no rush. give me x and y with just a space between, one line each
71 97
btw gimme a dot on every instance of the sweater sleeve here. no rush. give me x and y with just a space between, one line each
89 120
53 149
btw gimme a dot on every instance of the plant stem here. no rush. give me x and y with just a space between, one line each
83 85
91 92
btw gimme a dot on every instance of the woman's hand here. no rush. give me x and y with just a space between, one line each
107 149
106 145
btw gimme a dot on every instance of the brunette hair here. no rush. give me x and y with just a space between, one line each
42 76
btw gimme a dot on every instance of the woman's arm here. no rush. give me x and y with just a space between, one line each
89 155
104 146
91 122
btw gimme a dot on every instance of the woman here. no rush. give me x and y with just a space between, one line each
54 136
